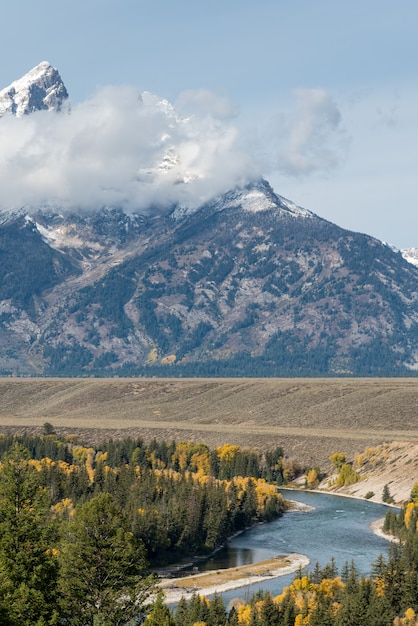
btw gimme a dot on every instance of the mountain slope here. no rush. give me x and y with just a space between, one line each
246 284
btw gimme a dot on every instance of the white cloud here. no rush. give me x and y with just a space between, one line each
131 150
119 149
309 139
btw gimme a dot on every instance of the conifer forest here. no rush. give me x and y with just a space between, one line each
84 528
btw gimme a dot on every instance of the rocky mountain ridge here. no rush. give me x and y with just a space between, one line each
246 284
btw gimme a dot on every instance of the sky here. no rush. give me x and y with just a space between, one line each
319 97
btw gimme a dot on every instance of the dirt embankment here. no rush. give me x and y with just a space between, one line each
391 465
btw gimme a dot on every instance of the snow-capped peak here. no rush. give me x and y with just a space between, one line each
253 197
258 196
40 89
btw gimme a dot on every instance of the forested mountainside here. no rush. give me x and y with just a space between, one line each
248 284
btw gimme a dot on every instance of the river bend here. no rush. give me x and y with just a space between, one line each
336 528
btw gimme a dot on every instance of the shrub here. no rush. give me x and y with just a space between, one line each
347 476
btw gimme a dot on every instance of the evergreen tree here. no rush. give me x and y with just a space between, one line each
287 612
28 566
249 502
217 611
269 613
160 614
386 497
233 617
215 521
254 621
316 574
359 605
102 567
330 570
322 613
181 614
195 608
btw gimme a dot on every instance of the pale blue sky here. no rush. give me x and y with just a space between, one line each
324 92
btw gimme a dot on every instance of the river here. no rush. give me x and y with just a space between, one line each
336 528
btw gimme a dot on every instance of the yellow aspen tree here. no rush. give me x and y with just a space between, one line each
410 508
244 614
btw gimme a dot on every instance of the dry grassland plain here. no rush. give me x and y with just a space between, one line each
309 418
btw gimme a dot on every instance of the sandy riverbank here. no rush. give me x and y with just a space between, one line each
377 528
218 581
300 507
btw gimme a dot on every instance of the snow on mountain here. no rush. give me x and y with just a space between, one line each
40 89
410 255
258 196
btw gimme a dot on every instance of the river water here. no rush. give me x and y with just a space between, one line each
336 528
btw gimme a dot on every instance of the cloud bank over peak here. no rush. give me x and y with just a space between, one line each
122 148
119 148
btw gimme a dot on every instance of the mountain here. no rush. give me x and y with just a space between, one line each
40 89
246 284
